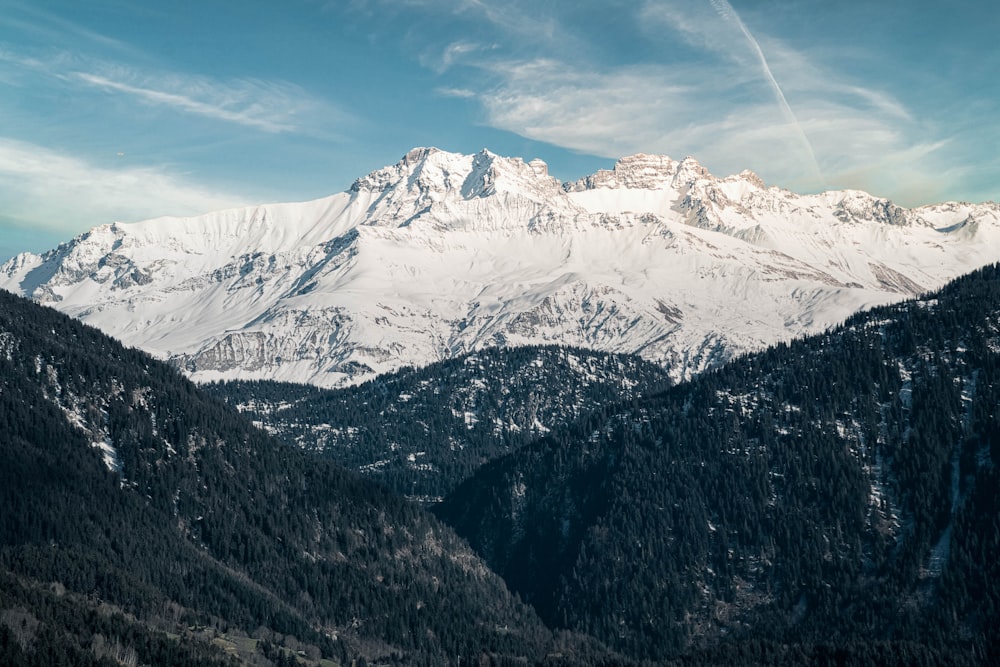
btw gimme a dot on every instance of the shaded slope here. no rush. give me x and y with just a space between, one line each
123 482
422 431
838 489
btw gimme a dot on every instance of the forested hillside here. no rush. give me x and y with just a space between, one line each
422 431
145 518
832 497
831 501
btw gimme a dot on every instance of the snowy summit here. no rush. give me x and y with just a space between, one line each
443 253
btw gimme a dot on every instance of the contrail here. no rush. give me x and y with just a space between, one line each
726 11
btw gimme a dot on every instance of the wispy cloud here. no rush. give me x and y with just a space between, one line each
510 18
266 106
747 100
47 189
272 106
668 110
32 19
592 112
726 12
461 93
454 52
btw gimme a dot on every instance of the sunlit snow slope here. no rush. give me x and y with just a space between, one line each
443 253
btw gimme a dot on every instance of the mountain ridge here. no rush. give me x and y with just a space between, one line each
422 431
442 254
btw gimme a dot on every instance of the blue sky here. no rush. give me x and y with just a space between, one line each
125 110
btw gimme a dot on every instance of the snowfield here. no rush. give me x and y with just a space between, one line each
442 254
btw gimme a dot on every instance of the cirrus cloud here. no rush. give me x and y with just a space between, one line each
271 106
66 193
796 121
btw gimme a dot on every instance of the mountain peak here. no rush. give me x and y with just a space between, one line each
407 170
419 154
432 184
428 169
432 174
856 205
752 178
643 171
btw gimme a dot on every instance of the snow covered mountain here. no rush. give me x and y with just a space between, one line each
442 254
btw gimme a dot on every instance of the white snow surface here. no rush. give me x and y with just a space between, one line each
442 253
